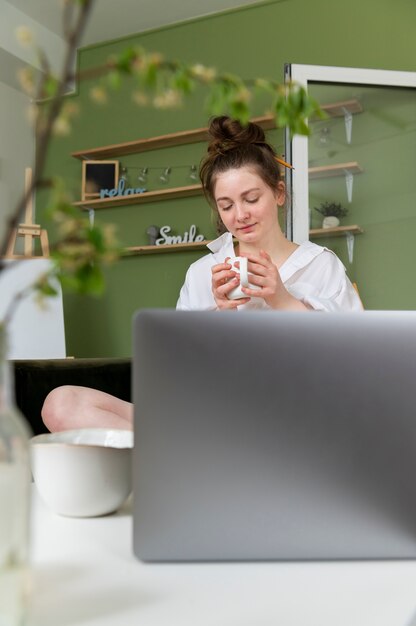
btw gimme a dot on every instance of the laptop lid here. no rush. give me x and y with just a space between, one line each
272 435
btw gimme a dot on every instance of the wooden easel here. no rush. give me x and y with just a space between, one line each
28 229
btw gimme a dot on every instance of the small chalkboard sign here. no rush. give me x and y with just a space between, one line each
98 175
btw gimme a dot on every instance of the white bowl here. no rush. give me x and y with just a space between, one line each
85 472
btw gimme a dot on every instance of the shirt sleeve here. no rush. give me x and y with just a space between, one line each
184 302
196 293
326 287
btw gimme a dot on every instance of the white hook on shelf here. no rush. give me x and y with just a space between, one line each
91 216
348 124
349 180
350 246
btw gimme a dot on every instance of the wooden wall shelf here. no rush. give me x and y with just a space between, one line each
345 109
141 198
338 109
340 169
195 190
163 141
348 170
175 247
200 245
338 231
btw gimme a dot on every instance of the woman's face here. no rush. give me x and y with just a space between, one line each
246 204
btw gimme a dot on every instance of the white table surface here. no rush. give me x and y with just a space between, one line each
84 573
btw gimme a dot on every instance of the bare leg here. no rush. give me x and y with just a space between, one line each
70 407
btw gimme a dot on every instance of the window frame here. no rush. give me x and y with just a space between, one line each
296 148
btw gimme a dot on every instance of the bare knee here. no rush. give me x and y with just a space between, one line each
58 407
70 406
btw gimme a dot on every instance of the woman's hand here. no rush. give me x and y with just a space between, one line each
264 274
224 279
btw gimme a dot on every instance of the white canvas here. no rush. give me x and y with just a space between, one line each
35 332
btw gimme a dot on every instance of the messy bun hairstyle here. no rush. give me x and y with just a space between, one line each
231 146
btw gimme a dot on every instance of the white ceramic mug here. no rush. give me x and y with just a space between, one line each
237 293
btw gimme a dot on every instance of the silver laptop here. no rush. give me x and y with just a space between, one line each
270 435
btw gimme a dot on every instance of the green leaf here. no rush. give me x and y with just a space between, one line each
150 75
216 102
95 236
182 81
124 61
50 87
90 279
46 289
240 111
114 80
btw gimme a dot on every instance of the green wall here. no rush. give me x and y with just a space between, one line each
252 42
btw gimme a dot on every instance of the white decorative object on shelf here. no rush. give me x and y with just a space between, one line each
330 222
332 212
121 190
187 237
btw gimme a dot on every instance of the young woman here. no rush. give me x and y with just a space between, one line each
242 180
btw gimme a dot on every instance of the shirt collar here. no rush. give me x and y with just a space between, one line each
222 246
299 259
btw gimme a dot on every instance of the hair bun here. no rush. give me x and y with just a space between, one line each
226 134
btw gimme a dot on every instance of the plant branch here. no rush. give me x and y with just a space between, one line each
44 129
45 132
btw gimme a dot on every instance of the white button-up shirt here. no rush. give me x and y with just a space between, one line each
312 274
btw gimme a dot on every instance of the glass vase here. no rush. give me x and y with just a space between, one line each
14 501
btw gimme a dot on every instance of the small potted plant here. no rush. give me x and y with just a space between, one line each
332 212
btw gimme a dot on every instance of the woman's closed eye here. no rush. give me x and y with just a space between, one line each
229 206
